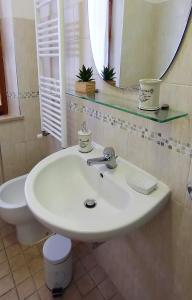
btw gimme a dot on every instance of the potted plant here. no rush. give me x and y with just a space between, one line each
85 84
108 75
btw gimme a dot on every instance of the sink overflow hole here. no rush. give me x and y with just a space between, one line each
90 203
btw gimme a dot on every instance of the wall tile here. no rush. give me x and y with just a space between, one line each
12 132
165 165
18 140
177 96
35 151
188 203
24 31
31 110
14 159
146 258
1 172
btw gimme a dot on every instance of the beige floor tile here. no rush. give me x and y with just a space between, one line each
13 250
97 274
45 293
91 246
26 289
94 295
33 297
71 293
107 288
24 247
1 244
17 261
75 243
35 265
40 247
85 284
89 262
80 251
27 261
4 269
6 230
6 284
21 274
11 295
10 239
31 253
78 270
3 256
39 279
117 297
2 223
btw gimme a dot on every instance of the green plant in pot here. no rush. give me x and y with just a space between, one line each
108 75
85 84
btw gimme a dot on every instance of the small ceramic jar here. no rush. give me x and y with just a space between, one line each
149 94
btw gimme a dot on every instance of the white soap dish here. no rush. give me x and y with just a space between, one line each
142 183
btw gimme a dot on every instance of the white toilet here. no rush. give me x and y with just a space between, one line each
14 210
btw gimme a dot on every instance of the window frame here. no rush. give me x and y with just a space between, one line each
3 92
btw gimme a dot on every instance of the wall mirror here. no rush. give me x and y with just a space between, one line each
138 38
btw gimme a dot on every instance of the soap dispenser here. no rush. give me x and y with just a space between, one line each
85 139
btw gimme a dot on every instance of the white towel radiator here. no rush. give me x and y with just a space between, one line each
49 18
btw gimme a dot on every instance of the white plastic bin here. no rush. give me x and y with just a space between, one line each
57 262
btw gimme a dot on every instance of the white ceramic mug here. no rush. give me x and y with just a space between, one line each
149 94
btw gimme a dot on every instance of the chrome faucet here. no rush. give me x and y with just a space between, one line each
108 158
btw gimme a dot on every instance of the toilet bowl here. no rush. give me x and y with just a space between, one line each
14 210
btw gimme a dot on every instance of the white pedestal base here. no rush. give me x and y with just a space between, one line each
30 233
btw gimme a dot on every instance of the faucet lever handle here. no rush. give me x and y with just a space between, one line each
109 158
109 152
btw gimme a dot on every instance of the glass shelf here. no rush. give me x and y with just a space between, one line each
120 103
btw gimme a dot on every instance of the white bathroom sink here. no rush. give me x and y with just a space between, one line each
58 186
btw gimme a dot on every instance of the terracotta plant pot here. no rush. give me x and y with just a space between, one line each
85 87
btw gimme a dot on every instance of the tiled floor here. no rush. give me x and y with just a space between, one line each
22 277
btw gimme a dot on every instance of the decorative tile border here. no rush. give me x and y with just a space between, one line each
140 131
23 95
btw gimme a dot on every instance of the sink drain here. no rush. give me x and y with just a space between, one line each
90 203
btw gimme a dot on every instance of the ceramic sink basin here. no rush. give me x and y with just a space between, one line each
57 188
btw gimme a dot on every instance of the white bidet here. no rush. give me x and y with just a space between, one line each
14 210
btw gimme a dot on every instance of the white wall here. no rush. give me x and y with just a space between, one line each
23 9
17 8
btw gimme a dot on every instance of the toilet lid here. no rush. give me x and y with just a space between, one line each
56 249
